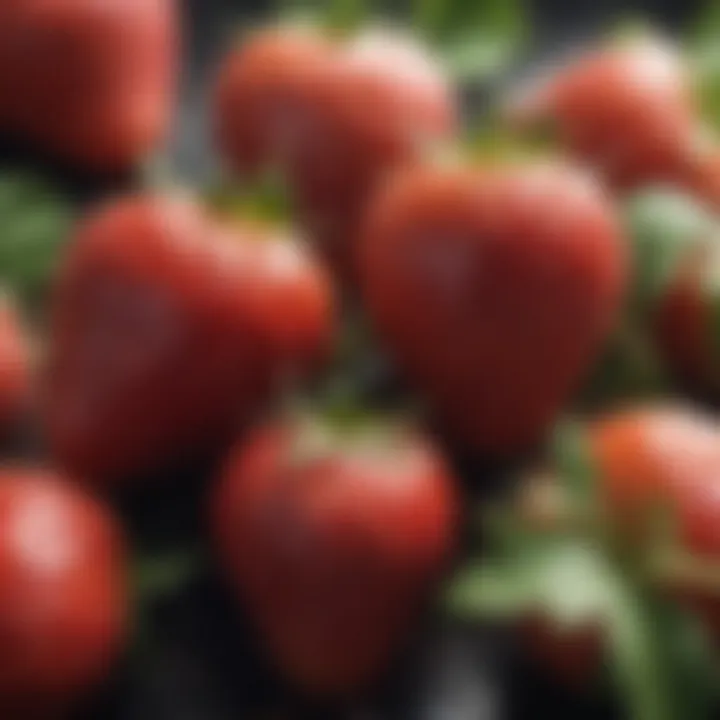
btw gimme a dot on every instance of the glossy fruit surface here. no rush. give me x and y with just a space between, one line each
687 324
63 594
91 82
494 289
171 328
658 455
627 108
332 540
15 367
333 116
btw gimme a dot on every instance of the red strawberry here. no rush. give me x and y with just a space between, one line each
334 115
629 110
170 327
493 288
687 322
666 454
63 595
89 81
332 539
15 375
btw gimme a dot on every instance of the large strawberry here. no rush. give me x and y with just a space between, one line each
494 288
170 326
63 594
333 114
332 539
89 81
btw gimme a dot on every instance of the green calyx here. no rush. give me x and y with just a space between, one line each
493 142
35 223
325 433
265 202
665 227
337 18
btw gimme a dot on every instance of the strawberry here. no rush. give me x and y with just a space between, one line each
494 289
170 327
629 109
15 367
63 601
332 539
685 321
333 115
91 82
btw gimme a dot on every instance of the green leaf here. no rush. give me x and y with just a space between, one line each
478 40
659 659
508 534
570 585
478 57
574 464
35 221
705 58
489 592
563 583
664 226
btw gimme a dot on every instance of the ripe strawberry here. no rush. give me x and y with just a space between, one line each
63 600
494 289
333 115
629 109
171 327
89 81
686 322
15 371
332 540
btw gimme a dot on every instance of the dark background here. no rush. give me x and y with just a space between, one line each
194 659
